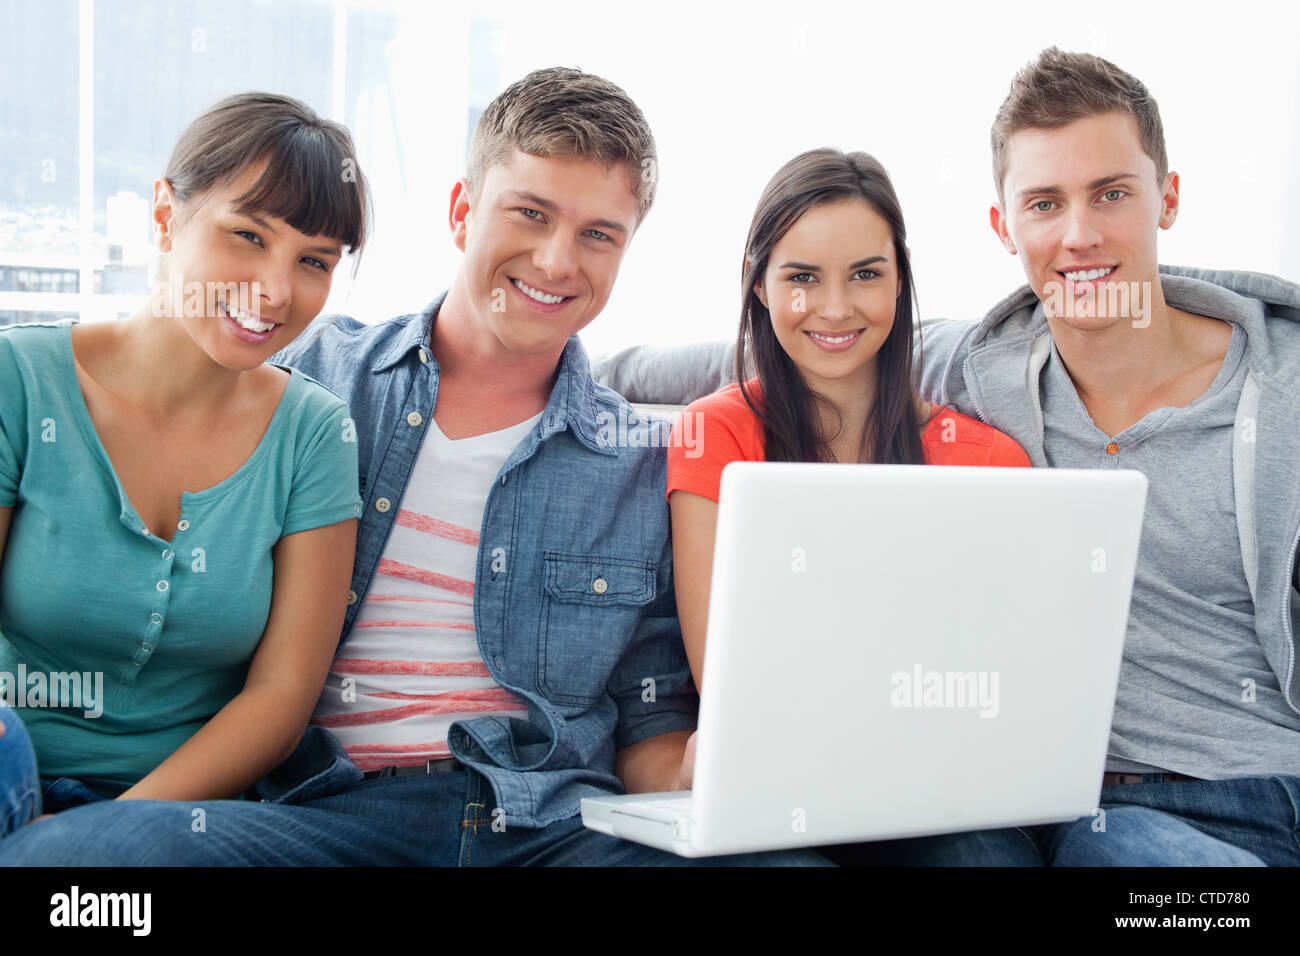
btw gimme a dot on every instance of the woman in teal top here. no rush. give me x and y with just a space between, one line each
177 518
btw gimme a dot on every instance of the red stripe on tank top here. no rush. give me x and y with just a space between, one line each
435 526
387 715
454 624
433 578
361 665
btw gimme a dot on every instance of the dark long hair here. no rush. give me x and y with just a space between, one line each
788 407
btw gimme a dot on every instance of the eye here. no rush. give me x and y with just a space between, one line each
1113 195
250 236
316 263
802 278
597 234
867 273
533 214
1043 205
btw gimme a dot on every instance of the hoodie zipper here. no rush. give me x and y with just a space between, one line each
965 374
1286 622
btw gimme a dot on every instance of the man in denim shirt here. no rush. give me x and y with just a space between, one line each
562 543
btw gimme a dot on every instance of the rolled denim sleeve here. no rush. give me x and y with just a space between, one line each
652 684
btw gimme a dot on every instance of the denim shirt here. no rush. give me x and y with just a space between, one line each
574 608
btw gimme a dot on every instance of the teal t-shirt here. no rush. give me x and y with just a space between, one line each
90 598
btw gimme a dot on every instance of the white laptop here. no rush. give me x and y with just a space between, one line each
898 651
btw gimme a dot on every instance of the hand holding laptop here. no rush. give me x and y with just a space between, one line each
688 761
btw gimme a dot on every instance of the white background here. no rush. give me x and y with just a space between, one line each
731 91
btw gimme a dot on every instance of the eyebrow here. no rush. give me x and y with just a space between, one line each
335 250
260 221
870 260
1058 191
546 205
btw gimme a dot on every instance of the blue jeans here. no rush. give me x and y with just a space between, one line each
425 819
20 790
325 814
1009 847
1248 821
23 794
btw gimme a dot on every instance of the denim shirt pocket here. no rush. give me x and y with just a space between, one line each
590 610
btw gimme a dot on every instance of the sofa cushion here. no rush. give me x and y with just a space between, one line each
672 375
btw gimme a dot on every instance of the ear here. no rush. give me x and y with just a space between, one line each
458 214
761 293
998 220
1169 201
899 291
164 214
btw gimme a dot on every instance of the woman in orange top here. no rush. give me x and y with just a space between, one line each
827 316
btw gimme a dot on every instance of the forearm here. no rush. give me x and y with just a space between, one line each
262 725
653 765
247 738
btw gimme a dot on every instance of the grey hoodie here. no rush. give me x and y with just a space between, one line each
984 369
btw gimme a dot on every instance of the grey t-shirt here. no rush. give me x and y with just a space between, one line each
1196 695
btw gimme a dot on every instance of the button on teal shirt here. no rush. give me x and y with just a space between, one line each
165 629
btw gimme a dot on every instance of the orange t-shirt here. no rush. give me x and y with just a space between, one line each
721 428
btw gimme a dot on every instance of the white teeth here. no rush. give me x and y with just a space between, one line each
834 340
536 294
1089 275
245 321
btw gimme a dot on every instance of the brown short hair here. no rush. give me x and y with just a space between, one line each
311 181
1058 88
562 112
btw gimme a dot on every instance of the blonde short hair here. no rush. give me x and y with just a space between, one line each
563 112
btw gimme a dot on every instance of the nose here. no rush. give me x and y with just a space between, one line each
274 286
1081 227
556 257
833 304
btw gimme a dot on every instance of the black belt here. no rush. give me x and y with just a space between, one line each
1115 779
441 765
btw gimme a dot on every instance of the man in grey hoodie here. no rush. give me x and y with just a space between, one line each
1193 377
1107 360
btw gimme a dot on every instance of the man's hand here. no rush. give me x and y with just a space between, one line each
687 774
653 765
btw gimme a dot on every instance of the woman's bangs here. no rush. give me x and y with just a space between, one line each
309 186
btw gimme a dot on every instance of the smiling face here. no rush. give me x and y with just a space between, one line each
1083 208
543 240
243 284
831 287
